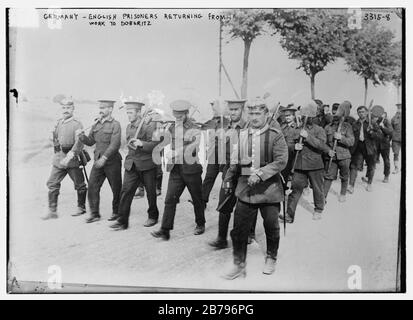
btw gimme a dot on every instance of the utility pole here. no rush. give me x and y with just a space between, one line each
220 60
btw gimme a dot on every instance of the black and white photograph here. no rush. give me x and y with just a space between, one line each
206 150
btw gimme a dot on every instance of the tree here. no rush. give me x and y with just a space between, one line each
396 71
315 37
245 24
370 54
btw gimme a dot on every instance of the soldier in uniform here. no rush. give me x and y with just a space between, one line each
364 148
185 170
275 118
309 167
215 165
66 161
139 166
341 155
228 202
384 144
289 131
259 187
106 134
396 144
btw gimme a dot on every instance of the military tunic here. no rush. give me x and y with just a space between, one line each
140 169
183 173
106 136
341 160
64 141
383 147
268 154
309 167
229 200
215 154
396 123
290 135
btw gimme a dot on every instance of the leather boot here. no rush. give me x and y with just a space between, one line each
199 229
52 212
386 179
219 244
317 215
162 234
81 200
269 266
396 167
237 270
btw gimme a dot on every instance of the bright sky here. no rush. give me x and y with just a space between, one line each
177 57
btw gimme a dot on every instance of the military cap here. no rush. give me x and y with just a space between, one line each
133 104
236 103
67 102
257 104
180 105
107 103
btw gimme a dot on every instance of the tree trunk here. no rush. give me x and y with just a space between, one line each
366 84
244 87
312 79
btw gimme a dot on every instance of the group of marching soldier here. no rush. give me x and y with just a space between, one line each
268 157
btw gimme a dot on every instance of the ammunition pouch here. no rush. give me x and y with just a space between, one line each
84 158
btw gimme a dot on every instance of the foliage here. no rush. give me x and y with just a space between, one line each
371 54
245 24
315 37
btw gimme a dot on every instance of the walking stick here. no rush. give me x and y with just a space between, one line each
284 205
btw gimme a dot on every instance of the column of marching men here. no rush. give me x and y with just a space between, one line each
268 156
